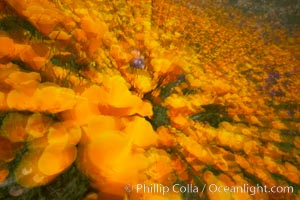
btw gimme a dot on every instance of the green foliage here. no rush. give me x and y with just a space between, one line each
2 115
287 105
160 117
14 24
211 169
71 185
13 164
286 11
197 180
279 178
285 147
187 91
68 62
251 177
167 90
21 64
213 114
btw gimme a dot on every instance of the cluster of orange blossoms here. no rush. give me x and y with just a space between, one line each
77 66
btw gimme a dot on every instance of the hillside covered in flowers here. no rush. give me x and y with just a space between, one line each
98 96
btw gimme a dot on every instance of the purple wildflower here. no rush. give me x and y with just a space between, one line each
138 63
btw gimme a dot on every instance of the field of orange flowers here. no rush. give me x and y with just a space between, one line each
110 93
